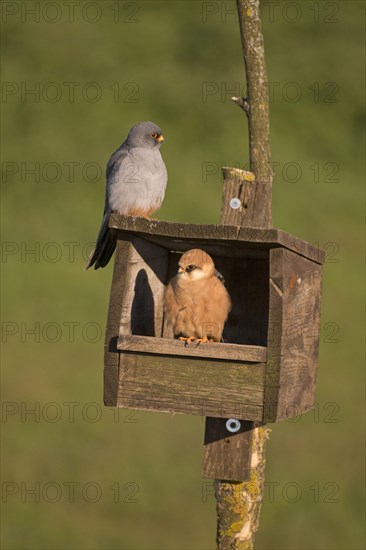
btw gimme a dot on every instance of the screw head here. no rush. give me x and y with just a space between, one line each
235 203
233 425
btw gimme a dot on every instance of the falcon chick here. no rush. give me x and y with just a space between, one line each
136 181
197 303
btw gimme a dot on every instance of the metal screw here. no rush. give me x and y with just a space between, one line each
235 204
233 425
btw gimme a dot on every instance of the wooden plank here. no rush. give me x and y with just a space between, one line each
301 286
253 196
274 338
232 247
239 185
199 233
191 386
111 352
231 450
293 336
229 249
216 350
110 386
135 304
143 294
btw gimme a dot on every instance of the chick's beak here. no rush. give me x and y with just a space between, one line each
160 139
180 269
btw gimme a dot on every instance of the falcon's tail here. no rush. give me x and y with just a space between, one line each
106 243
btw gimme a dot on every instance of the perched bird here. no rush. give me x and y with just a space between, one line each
197 303
136 180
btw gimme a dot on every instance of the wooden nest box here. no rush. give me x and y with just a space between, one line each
266 368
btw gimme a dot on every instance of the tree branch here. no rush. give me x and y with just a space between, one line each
238 504
256 107
242 102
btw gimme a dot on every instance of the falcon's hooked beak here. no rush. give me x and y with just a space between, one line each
181 270
160 139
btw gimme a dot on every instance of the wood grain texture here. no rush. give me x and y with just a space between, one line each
111 353
136 302
238 186
274 338
144 288
191 386
166 346
231 450
293 335
175 235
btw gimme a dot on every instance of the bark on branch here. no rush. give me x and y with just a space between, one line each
238 504
256 107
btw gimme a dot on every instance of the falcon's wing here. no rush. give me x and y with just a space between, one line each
220 276
106 240
112 169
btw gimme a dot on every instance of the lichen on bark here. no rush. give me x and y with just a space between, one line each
238 504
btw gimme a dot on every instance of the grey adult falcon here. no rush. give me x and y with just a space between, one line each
136 179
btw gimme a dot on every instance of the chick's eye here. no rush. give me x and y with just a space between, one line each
154 135
191 267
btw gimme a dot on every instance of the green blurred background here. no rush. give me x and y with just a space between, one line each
97 68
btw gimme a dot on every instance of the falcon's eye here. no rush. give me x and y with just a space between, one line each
154 135
191 267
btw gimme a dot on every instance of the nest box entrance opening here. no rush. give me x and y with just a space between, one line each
246 279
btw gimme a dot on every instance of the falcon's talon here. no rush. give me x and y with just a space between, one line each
188 340
204 340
